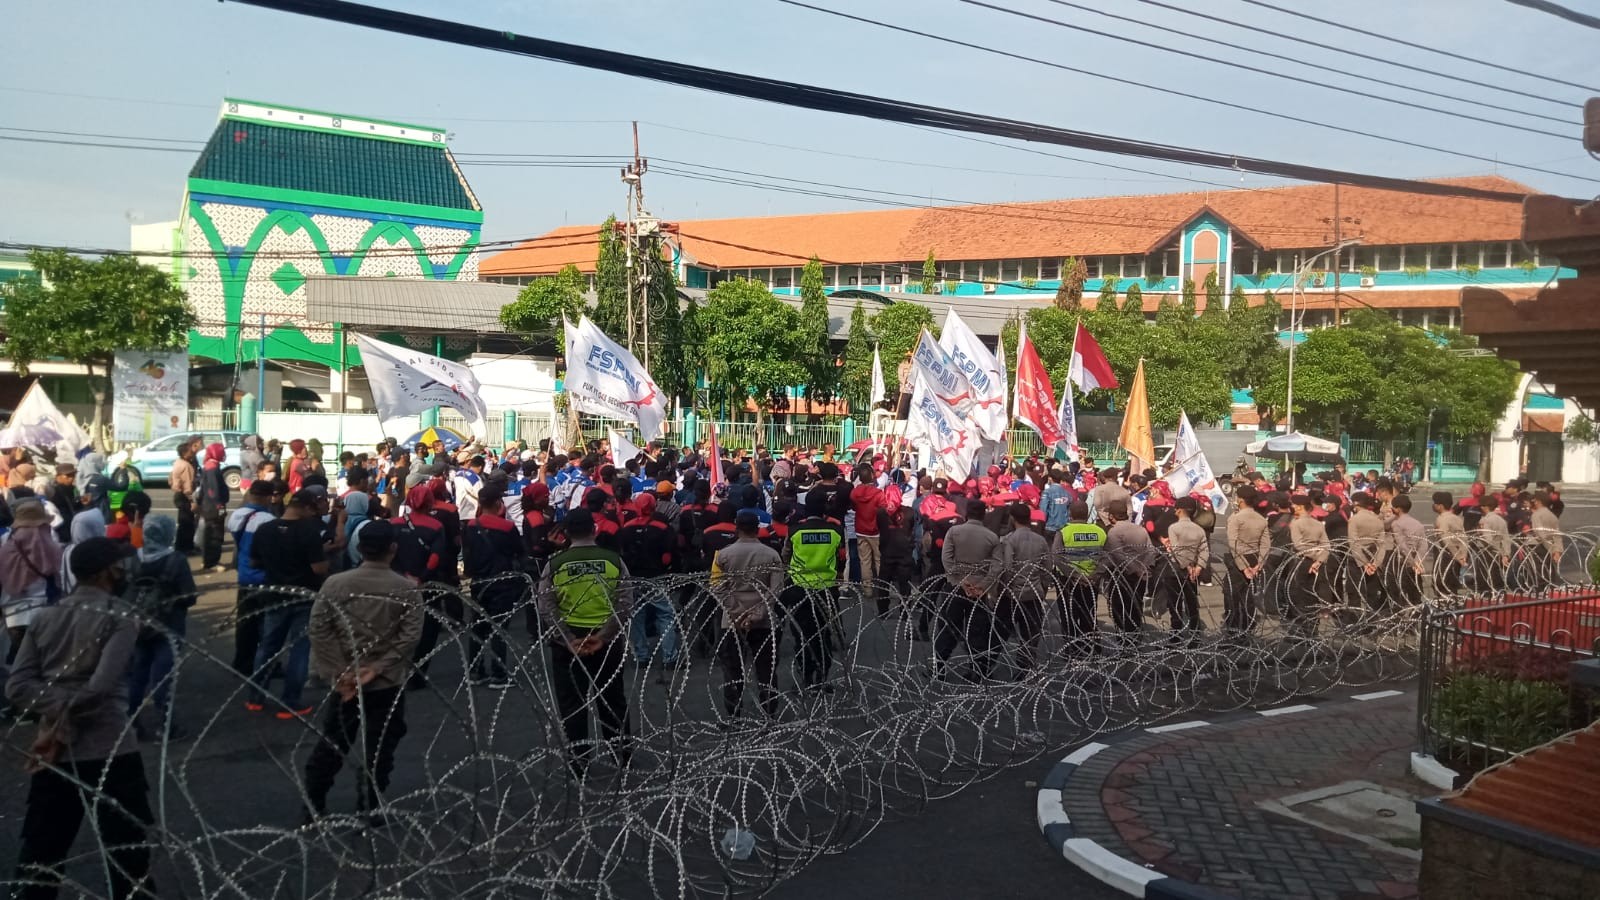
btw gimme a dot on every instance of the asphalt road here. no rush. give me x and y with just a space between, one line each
983 842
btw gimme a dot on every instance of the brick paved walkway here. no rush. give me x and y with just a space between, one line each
1185 803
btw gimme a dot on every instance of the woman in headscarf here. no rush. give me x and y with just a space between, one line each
357 512
419 555
250 458
296 469
29 562
91 464
20 475
162 591
213 506
314 456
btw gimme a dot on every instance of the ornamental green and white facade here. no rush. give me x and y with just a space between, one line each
281 194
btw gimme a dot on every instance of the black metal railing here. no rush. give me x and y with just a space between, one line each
1494 674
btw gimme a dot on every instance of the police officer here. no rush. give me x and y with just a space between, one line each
586 598
814 554
1076 550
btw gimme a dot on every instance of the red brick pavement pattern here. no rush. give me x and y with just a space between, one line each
1185 802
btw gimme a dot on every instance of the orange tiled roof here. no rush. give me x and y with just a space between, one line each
1553 789
1274 218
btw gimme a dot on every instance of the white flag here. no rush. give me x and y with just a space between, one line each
949 435
405 382
1191 473
36 409
984 375
879 391
622 449
604 379
1067 421
937 370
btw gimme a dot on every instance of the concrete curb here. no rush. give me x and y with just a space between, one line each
1132 878
1433 773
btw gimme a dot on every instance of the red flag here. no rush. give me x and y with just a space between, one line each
1090 368
714 464
1035 401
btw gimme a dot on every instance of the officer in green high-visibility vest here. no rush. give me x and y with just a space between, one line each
1077 548
584 600
814 553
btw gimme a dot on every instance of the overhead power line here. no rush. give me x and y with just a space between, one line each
1416 46
1299 62
1556 9
1343 130
843 102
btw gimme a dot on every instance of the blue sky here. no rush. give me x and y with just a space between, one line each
166 64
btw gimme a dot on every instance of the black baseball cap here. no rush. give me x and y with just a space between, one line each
376 536
95 555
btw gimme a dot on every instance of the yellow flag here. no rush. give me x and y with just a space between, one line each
1136 436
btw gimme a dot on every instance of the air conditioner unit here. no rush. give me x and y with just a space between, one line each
1319 279
1368 281
988 287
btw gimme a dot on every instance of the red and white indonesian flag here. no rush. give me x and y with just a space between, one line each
1090 369
1036 402
986 378
604 379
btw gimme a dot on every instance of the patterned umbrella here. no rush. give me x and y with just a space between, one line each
453 440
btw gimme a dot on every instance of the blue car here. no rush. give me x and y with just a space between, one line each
154 460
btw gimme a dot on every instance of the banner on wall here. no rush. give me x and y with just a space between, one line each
149 394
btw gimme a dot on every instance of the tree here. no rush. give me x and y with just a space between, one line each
1133 303
1213 288
857 381
1479 388
673 359
543 303
930 273
1190 305
822 374
1108 293
897 329
1073 274
611 283
86 310
752 346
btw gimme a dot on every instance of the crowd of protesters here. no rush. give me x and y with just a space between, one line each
339 567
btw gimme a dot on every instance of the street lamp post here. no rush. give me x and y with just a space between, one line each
1300 273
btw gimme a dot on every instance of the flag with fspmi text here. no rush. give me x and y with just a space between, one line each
405 382
984 373
604 379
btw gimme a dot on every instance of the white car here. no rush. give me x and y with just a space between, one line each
154 460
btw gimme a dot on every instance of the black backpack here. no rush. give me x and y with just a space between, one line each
151 596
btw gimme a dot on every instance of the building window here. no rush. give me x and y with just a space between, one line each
1499 256
1091 267
1133 267
762 275
1029 268
830 275
1011 270
782 278
1049 269
871 276
1390 259
1414 317
1244 260
989 271
1442 256
894 277
950 271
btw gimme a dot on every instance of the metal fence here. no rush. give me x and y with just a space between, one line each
213 419
1494 674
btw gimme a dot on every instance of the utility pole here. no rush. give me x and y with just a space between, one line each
1338 308
638 230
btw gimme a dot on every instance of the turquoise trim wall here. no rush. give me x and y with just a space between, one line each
696 277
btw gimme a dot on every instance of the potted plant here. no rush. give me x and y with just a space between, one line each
1368 271
1029 282
1470 270
1416 271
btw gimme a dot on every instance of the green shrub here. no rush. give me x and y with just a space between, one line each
1505 714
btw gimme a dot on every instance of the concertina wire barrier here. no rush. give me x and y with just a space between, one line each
487 798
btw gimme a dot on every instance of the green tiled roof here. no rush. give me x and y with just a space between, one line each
265 155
